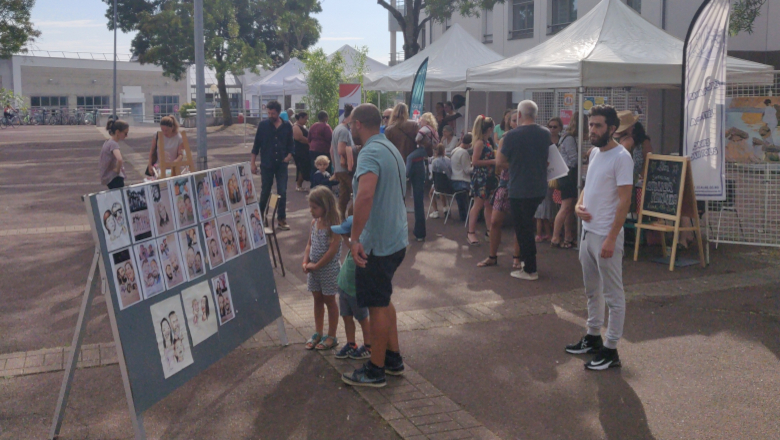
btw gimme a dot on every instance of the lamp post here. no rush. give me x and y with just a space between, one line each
114 100
200 85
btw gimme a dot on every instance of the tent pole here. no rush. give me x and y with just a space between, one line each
466 124
487 102
580 129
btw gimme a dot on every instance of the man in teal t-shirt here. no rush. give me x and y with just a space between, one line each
348 307
380 235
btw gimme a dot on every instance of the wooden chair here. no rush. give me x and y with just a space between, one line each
270 229
176 167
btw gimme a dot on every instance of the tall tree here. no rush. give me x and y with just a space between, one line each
743 14
295 28
323 77
435 10
16 30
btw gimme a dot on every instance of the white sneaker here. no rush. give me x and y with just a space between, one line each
523 275
434 214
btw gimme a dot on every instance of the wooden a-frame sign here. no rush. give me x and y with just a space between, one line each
178 166
668 194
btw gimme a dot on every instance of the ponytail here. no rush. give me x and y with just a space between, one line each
114 125
481 125
170 121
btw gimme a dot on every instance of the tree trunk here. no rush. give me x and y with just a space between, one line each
224 101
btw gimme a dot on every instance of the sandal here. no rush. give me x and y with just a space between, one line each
554 244
516 263
323 345
487 233
489 261
472 243
313 341
567 244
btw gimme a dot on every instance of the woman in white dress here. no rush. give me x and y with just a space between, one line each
770 115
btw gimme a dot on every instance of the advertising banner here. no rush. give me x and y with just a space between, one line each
348 94
751 130
418 91
704 98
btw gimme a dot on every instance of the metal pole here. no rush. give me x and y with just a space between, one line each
581 129
115 26
200 87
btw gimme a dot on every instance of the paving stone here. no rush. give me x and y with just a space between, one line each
388 412
429 390
33 361
413 377
2 364
450 435
397 389
90 357
404 428
435 418
14 363
373 396
17 354
439 427
464 419
482 433
414 395
12 372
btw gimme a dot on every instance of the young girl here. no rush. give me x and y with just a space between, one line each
441 164
321 264
112 173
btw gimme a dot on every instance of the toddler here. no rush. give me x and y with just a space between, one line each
322 177
321 264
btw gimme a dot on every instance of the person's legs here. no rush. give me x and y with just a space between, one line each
319 311
365 327
590 248
434 205
461 199
267 179
417 178
560 221
611 270
570 225
523 211
479 203
333 315
345 192
488 215
497 220
281 189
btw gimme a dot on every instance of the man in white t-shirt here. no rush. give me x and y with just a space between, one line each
603 206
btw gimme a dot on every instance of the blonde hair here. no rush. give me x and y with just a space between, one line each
573 128
400 114
323 197
481 125
322 160
170 121
430 119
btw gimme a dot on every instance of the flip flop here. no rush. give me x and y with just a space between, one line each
489 261
472 243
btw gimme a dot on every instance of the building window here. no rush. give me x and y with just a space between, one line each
562 14
636 4
522 17
447 23
49 101
164 106
422 38
487 26
92 102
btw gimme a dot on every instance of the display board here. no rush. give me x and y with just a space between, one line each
187 278
668 195
663 184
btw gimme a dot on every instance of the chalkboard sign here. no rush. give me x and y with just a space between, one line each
662 186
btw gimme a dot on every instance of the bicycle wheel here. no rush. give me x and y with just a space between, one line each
2 123
52 120
16 121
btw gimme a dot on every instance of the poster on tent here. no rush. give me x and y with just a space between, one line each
705 98
348 94
751 133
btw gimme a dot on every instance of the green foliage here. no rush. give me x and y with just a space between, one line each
743 14
323 77
292 28
7 96
183 109
16 30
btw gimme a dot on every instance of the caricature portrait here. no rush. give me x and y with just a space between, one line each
140 215
233 186
170 260
247 184
192 252
201 316
203 193
181 194
172 337
124 271
151 276
223 298
218 192
255 222
227 236
112 220
163 208
213 249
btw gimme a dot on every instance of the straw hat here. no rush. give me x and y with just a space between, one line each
627 119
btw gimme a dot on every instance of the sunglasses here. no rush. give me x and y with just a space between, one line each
385 117
553 126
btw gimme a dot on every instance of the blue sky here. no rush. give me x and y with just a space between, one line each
80 26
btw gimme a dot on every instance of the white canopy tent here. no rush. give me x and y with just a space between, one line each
611 46
275 84
448 59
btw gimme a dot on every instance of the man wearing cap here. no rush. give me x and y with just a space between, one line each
379 240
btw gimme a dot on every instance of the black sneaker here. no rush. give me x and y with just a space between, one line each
394 364
605 358
587 345
366 376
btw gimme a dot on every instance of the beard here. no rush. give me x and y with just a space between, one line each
600 141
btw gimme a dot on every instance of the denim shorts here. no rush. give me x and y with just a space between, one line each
348 307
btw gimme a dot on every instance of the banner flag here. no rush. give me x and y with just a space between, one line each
704 98
418 90
348 94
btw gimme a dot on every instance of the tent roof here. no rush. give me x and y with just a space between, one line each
448 59
611 46
349 53
211 77
276 83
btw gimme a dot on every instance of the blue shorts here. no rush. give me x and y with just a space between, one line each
348 307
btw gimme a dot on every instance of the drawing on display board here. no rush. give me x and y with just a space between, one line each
751 131
213 249
170 259
223 298
255 225
114 226
244 244
139 212
189 240
218 192
181 193
162 208
227 236
247 184
233 186
124 271
203 193
147 260
200 311
171 332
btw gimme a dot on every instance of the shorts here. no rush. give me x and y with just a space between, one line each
323 280
348 307
568 185
500 200
374 283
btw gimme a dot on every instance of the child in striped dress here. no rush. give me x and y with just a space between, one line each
321 264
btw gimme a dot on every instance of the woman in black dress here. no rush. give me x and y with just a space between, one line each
302 160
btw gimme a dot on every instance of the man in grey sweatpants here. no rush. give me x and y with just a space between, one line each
603 206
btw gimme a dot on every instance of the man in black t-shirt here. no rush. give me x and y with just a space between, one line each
524 152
